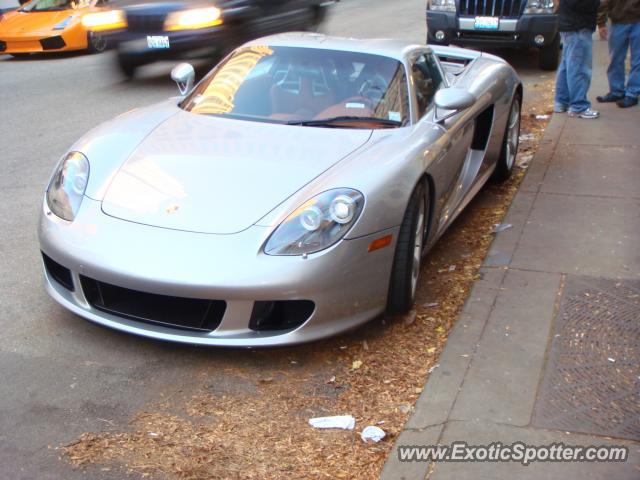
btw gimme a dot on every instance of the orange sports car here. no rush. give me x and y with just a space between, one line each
50 26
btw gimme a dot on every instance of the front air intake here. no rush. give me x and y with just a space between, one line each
280 315
177 312
52 43
57 272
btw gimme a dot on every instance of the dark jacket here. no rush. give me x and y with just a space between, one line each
619 11
578 14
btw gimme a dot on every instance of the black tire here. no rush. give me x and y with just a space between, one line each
127 66
550 55
318 16
401 287
507 160
96 43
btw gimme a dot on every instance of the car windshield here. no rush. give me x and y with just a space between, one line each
305 86
55 5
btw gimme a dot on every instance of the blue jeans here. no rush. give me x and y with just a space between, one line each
621 38
574 73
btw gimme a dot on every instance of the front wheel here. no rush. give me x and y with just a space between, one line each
407 260
510 143
127 66
96 43
550 55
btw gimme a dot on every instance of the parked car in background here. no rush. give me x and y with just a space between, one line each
497 23
50 26
9 5
144 32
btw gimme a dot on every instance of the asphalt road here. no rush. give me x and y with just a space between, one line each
60 375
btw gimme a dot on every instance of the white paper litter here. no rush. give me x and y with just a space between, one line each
501 227
372 433
527 137
543 117
344 422
524 159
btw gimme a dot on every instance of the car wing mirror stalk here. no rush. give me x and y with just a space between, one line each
184 75
454 100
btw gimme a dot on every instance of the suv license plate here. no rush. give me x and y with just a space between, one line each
487 23
157 41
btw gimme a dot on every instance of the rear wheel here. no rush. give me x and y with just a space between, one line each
408 256
510 143
550 55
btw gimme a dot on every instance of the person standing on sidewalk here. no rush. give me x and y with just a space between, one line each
624 35
577 24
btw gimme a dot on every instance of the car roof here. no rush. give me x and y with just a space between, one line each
378 46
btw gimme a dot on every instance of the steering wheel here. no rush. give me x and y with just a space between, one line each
374 89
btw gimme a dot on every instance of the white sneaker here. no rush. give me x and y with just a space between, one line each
588 114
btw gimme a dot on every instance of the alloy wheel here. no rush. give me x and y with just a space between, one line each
418 239
513 135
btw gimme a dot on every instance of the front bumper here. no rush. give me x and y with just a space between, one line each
53 41
182 44
512 33
347 284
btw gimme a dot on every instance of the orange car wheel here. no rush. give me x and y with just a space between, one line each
96 43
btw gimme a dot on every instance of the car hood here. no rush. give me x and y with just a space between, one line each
29 22
213 175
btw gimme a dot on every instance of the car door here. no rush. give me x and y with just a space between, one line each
451 154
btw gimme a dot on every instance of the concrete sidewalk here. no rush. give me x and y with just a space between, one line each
547 347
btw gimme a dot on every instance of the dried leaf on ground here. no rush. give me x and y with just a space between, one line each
261 431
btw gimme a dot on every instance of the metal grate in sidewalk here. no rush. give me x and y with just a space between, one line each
591 382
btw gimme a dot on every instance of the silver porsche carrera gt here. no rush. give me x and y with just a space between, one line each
288 196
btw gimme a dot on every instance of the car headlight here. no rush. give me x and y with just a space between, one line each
67 186
193 19
442 5
540 6
106 20
317 224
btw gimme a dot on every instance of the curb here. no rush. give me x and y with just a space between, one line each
434 406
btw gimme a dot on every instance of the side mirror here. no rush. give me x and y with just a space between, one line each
184 75
453 99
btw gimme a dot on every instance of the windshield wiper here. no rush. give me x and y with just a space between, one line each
329 122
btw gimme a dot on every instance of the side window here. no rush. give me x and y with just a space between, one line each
427 79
